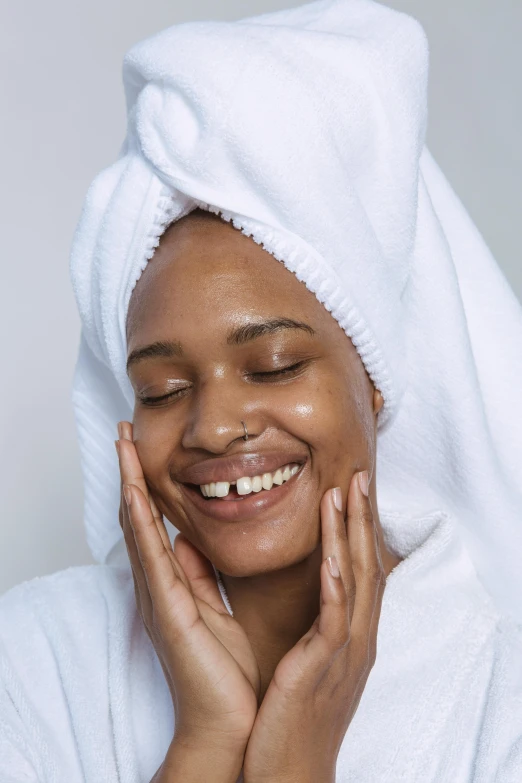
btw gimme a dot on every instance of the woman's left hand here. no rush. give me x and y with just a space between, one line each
317 685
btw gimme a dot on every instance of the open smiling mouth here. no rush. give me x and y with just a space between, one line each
247 485
250 495
251 498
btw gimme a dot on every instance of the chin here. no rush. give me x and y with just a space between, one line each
241 551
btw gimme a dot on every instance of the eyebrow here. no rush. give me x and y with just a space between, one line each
244 334
166 349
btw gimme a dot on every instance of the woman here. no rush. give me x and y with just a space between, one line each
268 350
317 619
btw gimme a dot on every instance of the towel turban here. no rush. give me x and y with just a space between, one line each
306 129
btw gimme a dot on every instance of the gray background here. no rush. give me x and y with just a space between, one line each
63 120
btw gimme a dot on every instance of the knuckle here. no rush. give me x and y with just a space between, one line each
351 594
367 516
341 637
357 642
146 561
376 576
336 644
341 599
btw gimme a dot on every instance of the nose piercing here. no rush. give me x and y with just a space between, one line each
245 436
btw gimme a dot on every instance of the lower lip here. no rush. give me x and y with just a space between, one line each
243 509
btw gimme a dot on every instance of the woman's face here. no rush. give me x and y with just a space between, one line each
219 332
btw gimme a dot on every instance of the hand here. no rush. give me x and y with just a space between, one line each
209 665
317 685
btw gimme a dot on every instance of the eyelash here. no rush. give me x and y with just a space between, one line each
283 371
152 401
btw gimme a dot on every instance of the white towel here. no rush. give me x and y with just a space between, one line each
306 128
83 698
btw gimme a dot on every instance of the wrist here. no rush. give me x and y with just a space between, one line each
191 761
296 776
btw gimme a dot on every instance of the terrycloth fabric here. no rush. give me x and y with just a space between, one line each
306 128
83 696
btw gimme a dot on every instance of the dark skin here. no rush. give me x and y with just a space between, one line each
302 389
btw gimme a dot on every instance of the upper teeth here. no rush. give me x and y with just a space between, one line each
248 484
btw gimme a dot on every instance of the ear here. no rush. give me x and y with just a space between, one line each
378 401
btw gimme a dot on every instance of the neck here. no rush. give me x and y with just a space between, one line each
276 609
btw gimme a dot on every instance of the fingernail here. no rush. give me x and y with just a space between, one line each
337 498
363 481
128 495
332 566
120 430
117 444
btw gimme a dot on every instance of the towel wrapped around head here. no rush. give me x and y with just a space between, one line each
306 129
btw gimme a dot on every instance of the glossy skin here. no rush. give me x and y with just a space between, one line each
205 280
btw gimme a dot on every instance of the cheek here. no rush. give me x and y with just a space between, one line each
330 416
154 437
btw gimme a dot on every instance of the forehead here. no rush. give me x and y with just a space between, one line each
208 275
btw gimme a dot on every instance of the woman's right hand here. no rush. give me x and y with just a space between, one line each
206 657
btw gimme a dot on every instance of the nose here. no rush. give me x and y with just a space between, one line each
215 419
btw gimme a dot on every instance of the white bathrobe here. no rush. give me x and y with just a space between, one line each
306 129
83 696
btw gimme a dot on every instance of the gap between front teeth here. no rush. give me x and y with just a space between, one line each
248 484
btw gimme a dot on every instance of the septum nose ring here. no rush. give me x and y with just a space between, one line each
245 436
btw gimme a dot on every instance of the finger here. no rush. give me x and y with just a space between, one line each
160 522
141 590
153 507
132 473
200 573
125 430
162 571
334 539
333 628
370 578
131 470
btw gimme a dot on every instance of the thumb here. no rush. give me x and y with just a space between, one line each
199 572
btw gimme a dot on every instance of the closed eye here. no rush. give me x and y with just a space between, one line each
284 372
262 377
164 397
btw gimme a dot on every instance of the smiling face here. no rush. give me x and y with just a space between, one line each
220 333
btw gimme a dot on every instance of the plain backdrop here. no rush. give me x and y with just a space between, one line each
62 119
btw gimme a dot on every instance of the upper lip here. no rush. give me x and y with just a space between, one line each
236 466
